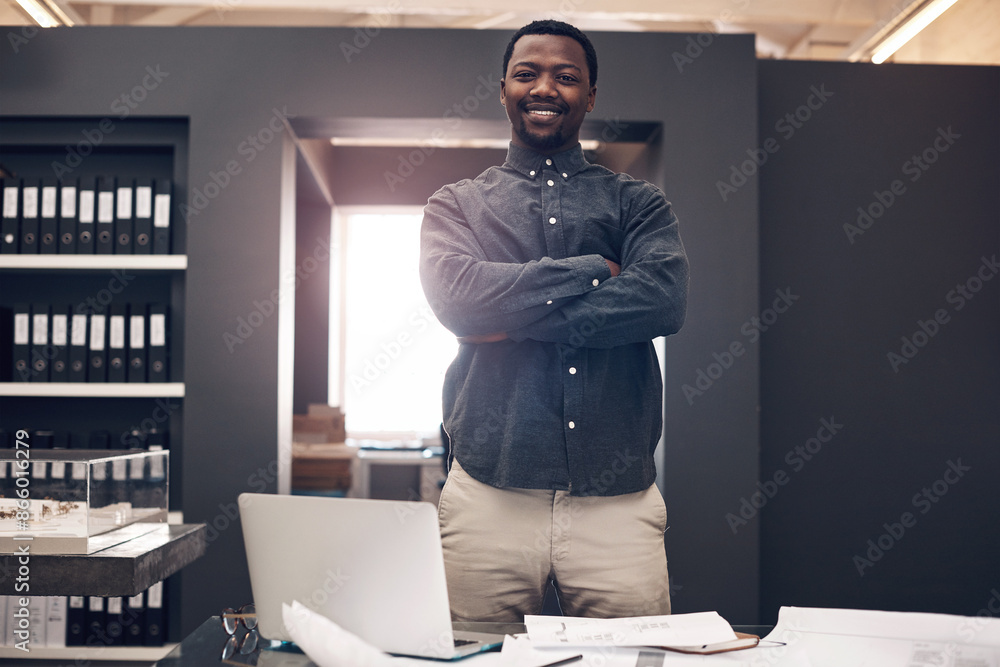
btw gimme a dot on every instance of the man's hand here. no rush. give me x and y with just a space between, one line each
483 338
615 268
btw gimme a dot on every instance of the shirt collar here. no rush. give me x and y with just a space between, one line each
530 163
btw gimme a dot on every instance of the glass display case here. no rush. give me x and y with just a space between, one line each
56 500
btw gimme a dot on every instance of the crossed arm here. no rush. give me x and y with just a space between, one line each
502 335
484 301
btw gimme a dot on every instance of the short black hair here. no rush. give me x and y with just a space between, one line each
551 27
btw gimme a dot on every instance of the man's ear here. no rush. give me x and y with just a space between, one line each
591 98
503 89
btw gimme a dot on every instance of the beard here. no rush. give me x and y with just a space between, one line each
540 142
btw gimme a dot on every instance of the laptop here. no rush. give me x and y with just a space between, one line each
374 567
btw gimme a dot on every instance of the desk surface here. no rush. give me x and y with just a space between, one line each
204 646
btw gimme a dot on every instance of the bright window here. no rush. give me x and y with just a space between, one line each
395 351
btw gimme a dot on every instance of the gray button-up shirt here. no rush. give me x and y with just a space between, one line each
572 399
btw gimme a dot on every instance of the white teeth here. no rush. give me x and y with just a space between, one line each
544 113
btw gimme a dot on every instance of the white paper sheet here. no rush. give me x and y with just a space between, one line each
674 630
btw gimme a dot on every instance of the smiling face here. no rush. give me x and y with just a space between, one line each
547 92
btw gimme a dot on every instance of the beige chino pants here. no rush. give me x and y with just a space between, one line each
501 547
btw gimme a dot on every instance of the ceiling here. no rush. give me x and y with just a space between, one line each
966 33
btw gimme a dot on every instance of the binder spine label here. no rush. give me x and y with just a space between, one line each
22 324
78 336
68 201
87 206
10 202
106 206
31 202
144 202
49 202
161 217
40 330
97 333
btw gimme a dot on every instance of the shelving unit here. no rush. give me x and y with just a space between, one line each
94 262
139 147
93 390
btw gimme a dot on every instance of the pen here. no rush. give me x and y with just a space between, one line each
564 661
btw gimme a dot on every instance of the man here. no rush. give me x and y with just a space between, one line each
555 274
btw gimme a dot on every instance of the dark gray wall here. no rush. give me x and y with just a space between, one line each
895 504
229 82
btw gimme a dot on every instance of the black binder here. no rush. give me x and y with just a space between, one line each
40 351
155 629
156 364
96 619
22 343
113 627
104 243
48 227
137 343
142 239
59 364
86 216
78 349
10 223
133 620
117 337
162 231
6 346
123 218
97 367
67 218
76 621
29 216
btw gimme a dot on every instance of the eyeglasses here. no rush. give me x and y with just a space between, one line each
231 619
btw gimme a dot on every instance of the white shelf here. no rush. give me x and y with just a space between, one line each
95 262
94 389
86 654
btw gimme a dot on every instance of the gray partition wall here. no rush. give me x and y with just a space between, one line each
235 88
880 397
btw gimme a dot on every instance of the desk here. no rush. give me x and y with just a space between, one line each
426 461
204 647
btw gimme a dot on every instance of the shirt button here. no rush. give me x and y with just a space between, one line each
531 173
572 370
549 302
548 162
565 175
551 183
552 221
596 282
572 424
